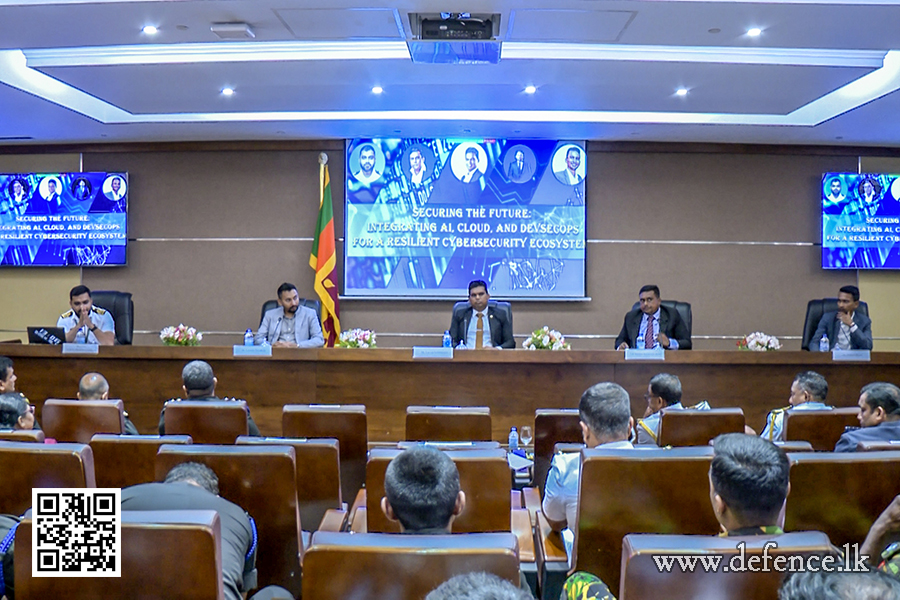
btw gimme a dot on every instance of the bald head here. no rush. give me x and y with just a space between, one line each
93 386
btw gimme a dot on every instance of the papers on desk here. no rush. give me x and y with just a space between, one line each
517 462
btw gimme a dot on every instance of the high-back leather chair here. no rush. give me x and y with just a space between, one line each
401 567
26 465
821 428
448 423
270 304
79 420
207 422
551 426
318 475
815 309
121 307
124 460
23 435
642 578
840 494
697 427
262 481
165 554
346 423
683 308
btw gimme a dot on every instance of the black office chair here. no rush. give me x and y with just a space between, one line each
270 304
683 308
498 305
121 307
814 311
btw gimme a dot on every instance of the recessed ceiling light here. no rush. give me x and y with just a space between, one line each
681 92
227 91
530 89
754 32
150 29
377 89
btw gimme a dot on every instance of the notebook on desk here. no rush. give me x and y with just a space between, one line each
46 335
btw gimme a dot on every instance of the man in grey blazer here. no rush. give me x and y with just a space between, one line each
846 329
464 325
290 325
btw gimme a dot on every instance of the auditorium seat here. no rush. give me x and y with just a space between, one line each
207 422
270 304
551 426
643 579
121 307
821 428
23 435
78 420
877 446
124 460
26 465
697 427
401 567
815 309
262 481
165 554
344 422
840 493
448 423
318 468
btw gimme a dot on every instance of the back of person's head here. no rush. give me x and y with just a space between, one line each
421 486
883 395
852 290
667 387
813 383
751 477
606 410
6 364
12 406
846 585
197 377
477 586
78 290
196 473
92 387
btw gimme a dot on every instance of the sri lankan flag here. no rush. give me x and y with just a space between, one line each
322 259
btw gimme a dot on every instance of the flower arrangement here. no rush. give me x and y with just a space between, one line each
356 338
546 339
759 342
180 336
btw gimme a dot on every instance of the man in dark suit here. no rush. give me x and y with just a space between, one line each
479 325
656 325
519 170
846 329
879 417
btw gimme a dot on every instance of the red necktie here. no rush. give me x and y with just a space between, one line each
648 335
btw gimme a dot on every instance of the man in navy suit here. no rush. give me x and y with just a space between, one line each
879 417
846 328
660 325
479 325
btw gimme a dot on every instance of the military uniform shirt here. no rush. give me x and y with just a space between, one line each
99 317
774 430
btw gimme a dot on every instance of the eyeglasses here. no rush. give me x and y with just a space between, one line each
648 395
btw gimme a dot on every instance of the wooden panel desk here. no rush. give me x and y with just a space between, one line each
512 382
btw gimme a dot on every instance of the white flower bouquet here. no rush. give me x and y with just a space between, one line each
180 336
546 339
759 342
356 338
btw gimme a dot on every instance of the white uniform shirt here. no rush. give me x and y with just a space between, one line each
99 317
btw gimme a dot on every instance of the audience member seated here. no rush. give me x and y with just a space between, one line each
663 392
477 586
879 417
194 486
199 385
15 412
86 323
835 585
479 325
808 392
8 382
606 422
846 328
93 386
290 325
884 556
657 326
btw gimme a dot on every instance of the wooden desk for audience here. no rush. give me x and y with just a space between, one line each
514 383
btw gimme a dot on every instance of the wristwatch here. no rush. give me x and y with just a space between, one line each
93 329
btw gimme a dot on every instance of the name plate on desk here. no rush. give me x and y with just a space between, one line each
854 355
80 348
645 353
432 352
264 350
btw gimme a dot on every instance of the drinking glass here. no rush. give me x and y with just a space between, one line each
526 435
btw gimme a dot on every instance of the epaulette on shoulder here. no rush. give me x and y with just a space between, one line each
781 410
67 314
233 399
98 310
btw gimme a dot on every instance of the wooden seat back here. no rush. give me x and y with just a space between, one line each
696 427
262 481
26 465
124 460
642 578
484 476
78 420
877 446
654 490
318 468
346 423
840 493
821 428
401 567
23 435
552 426
207 422
165 554
448 423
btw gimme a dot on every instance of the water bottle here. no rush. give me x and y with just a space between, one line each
639 342
447 341
513 440
824 346
248 337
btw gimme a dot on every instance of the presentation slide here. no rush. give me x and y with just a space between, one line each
63 219
423 217
860 221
